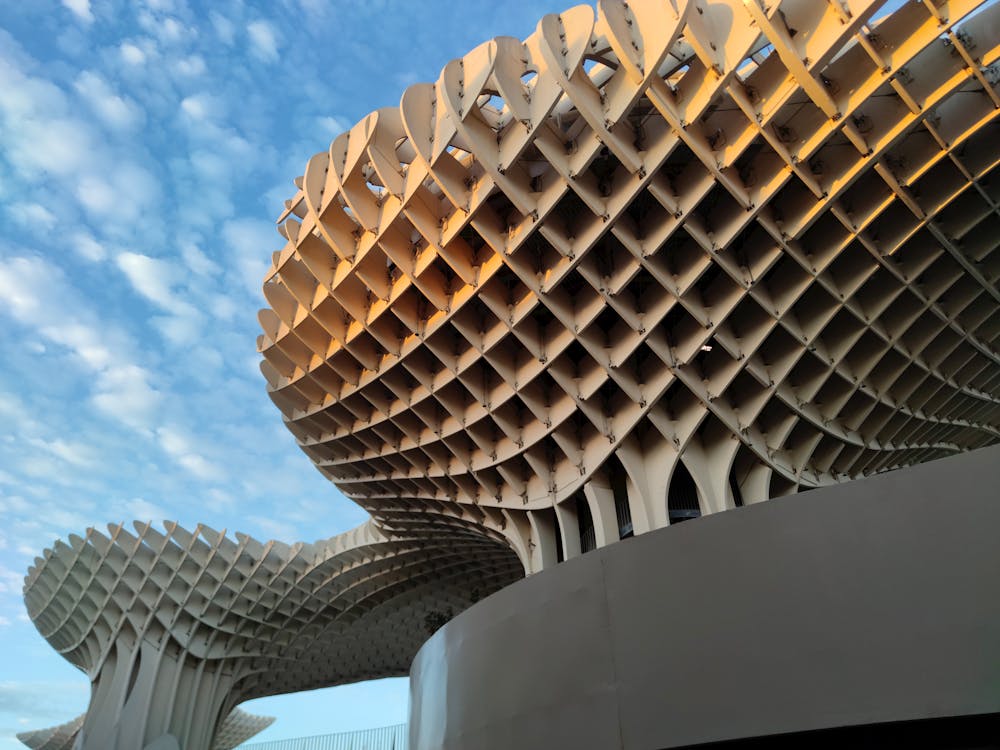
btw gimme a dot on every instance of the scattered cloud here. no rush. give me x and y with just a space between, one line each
40 704
248 246
111 108
225 30
200 107
131 54
332 126
40 298
122 191
87 247
10 581
181 449
124 393
139 509
74 453
80 9
145 152
190 67
151 277
263 40
32 215
273 528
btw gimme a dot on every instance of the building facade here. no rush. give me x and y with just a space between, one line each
656 261
659 260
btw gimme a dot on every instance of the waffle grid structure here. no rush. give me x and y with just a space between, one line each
238 727
758 242
176 628
652 262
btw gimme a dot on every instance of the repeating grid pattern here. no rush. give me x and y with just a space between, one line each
176 628
238 727
758 241
654 262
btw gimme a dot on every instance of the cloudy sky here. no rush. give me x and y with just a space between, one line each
145 149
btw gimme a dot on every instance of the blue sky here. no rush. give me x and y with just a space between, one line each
145 149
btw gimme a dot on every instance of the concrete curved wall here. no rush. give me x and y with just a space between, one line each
873 601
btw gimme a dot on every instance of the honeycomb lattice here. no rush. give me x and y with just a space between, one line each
754 241
646 264
238 727
176 628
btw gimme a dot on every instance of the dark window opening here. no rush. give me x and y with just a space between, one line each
619 487
134 674
735 487
560 552
682 499
588 537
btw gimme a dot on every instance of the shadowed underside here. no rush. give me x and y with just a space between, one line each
176 628
758 243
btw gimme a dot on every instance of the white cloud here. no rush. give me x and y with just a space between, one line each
112 109
76 454
60 145
39 296
211 165
140 509
220 500
201 107
178 446
85 341
121 192
16 416
10 580
249 244
224 28
32 215
333 126
44 137
263 41
131 54
80 8
165 28
283 532
224 307
151 277
43 703
190 67
158 280
197 262
88 248
123 393
180 330
171 29
95 194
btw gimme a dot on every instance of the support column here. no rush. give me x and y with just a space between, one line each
543 532
710 462
649 465
155 696
601 501
569 528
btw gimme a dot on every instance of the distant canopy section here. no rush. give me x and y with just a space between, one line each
174 628
761 237
238 727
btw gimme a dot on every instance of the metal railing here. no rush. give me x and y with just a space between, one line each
383 738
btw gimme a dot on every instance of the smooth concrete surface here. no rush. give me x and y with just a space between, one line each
872 601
